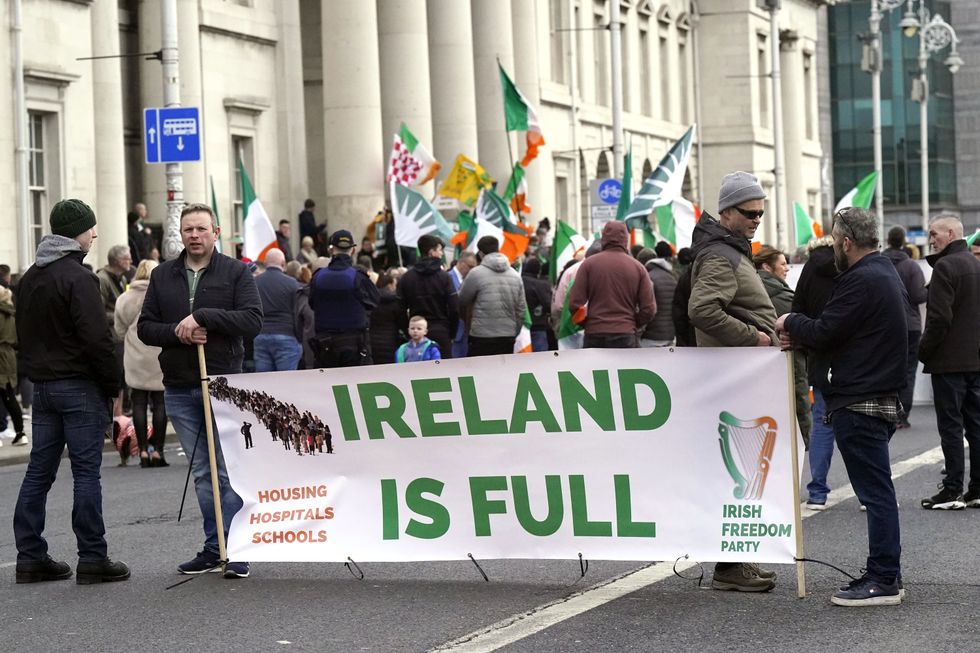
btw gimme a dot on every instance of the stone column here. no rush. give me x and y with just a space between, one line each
192 93
404 53
110 160
527 72
451 76
352 115
290 114
492 38
794 132
151 95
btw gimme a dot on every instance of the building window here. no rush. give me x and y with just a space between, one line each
762 79
601 51
808 94
646 74
39 179
580 48
561 197
557 24
664 76
242 151
811 204
602 169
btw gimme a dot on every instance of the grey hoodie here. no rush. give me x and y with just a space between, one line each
496 293
54 247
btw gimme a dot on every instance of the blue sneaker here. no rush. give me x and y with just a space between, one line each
865 591
237 570
202 563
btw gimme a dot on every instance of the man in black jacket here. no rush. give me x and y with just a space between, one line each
950 350
427 290
66 349
860 341
202 297
915 284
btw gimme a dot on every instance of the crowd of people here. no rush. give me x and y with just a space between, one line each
854 323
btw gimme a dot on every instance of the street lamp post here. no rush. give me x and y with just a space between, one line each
873 61
935 34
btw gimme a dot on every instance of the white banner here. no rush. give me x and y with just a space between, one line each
644 454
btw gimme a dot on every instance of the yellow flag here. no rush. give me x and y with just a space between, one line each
465 180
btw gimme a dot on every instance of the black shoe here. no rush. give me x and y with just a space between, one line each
972 499
90 572
36 571
160 462
19 440
946 499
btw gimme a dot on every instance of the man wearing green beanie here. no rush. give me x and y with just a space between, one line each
67 351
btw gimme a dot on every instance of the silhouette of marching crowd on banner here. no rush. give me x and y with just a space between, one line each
303 432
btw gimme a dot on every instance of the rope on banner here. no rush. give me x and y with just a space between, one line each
217 565
482 573
825 564
190 465
700 570
349 564
583 565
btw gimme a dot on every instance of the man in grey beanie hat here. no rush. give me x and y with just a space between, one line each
729 307
67 350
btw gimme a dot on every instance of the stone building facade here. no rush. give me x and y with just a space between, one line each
308 93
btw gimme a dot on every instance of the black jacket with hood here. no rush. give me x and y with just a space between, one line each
427 290
61 321
915 284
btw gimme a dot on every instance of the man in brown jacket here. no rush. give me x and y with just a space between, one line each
616 291
729 307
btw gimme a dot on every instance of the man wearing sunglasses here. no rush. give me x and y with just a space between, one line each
729 307
860 341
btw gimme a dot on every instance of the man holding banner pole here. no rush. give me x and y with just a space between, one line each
861 343
205 298
729 307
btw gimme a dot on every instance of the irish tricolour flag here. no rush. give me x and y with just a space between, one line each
519 115
806 228
259 236
860 196
410 163
567 245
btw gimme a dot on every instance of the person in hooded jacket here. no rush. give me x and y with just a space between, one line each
68 352
915 284
427 290
618 291
495 296
389 322
660 330
537 293
729 307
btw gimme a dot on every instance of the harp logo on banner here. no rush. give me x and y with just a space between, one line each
746 448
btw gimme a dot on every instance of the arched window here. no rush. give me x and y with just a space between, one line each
602 167
647 169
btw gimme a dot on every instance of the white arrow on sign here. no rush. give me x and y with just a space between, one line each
152 133
180 143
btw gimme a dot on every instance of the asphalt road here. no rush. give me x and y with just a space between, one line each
528 605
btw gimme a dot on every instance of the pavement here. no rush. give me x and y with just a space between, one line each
527 605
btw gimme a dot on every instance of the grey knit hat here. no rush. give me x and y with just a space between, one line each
71 217
738 187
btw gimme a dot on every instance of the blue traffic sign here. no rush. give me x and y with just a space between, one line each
610 190
172 135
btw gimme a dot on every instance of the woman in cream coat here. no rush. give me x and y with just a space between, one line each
143 374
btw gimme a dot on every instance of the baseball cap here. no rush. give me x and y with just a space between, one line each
342 239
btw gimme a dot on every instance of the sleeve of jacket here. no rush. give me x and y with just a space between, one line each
452 303
579 294
712 290
88 316
468 289
558 299
122 316
152 329
520 302
646 302
939 313
370 297
244 319
917 285
678 312
842 315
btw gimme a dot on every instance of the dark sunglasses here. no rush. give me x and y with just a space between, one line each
751 215
842 216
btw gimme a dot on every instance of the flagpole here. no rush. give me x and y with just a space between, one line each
510 151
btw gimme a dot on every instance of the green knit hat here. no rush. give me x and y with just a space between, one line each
71 217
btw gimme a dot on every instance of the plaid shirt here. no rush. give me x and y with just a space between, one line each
885 408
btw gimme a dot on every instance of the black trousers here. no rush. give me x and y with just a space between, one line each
957 399
490 346
610 341
906 396
342 349
13 408
141 400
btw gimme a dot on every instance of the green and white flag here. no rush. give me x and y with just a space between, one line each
415 216
860 196
568 243
522 343
259 236
974 239
214 209
570 331
661 195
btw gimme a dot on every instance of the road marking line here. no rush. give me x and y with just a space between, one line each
519 626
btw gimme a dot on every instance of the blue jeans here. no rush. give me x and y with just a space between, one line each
821 451
539 340
863 444
957 399
276 353
186 412
76 413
